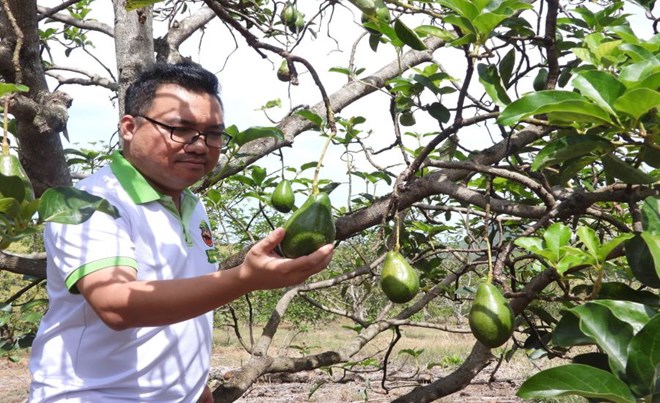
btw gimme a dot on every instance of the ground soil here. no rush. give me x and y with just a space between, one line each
369 389
315 386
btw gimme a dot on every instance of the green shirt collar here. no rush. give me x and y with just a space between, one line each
138 188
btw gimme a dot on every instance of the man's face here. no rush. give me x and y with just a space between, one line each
170 166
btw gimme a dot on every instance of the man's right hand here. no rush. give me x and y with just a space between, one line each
264 269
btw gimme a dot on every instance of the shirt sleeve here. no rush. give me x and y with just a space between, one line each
78 250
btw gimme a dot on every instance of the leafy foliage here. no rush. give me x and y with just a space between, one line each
518 137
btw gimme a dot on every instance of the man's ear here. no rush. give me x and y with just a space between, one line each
127 127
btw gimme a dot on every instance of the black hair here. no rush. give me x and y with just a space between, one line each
189 75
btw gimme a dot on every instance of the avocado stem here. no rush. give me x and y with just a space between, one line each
489 279
397 225
315 181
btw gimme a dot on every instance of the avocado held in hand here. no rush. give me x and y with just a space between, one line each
283 198
398 280
309 228
491 318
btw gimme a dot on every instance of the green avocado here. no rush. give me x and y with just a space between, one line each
540 80
11 166
283 73
491 318
398 280
289 14
292 18
379 15
283 198
309 228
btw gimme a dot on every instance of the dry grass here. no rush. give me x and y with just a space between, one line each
442 351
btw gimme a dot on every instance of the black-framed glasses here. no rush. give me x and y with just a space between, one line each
188 135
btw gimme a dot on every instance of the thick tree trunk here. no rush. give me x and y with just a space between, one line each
134 44
41 115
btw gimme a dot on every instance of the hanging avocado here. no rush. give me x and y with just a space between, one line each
491 318
380 14
283 73
11 166
292 18
283 199
398 280
309 228
540 79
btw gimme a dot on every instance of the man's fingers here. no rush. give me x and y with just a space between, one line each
271 241
318 259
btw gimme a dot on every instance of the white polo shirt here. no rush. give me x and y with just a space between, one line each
75 356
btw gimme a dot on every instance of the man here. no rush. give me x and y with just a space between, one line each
131 299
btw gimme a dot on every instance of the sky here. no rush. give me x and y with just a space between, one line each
249 82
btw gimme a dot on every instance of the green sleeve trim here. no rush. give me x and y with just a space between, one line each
91 267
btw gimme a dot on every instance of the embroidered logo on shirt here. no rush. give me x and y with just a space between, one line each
212 255
207 237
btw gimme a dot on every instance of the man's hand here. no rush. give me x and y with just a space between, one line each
207 395
122 301
264 269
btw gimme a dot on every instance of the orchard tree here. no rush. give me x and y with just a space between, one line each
506 146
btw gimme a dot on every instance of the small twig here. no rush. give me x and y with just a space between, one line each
387 355
19 43
23 291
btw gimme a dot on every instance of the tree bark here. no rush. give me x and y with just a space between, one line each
41 115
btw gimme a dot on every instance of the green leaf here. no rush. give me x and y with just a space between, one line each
589 239
506 66
637 53
651 82
529 105
312 117
573 257
622 292
341 70
653 243
431 30
490 79
532 244
439 112
611 325
408 36
635 314
69 205
135 4
610 245
10 87
556 236
569 147
651 215
644 266
308 165
599 86
254 133
258 175
647 4
636 72
567 333
644 358
637 101
576 379
597 322
9 206
617 168
462 7
571 111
